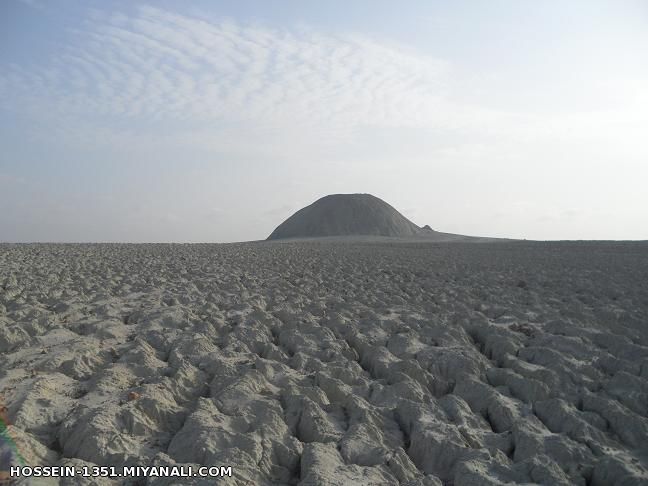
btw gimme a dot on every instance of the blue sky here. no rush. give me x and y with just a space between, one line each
213 121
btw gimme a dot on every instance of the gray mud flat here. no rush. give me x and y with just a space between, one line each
322 363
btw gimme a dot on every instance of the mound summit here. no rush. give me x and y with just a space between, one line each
347 215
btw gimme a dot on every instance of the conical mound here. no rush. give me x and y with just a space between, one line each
346 215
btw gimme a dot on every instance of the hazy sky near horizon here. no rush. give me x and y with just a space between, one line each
214 121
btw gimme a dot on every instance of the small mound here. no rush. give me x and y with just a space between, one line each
346 215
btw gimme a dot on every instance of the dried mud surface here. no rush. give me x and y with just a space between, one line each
330 362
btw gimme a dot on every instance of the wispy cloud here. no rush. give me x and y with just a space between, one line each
161 79
36 4
168 69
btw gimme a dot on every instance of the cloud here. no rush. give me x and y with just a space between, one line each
167 70
35 4
163 80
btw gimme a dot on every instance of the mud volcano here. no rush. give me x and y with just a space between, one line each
346 215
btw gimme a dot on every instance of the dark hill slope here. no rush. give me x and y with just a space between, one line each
346 215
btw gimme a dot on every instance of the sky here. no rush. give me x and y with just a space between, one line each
213 121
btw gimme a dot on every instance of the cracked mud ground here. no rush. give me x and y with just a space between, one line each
330 362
